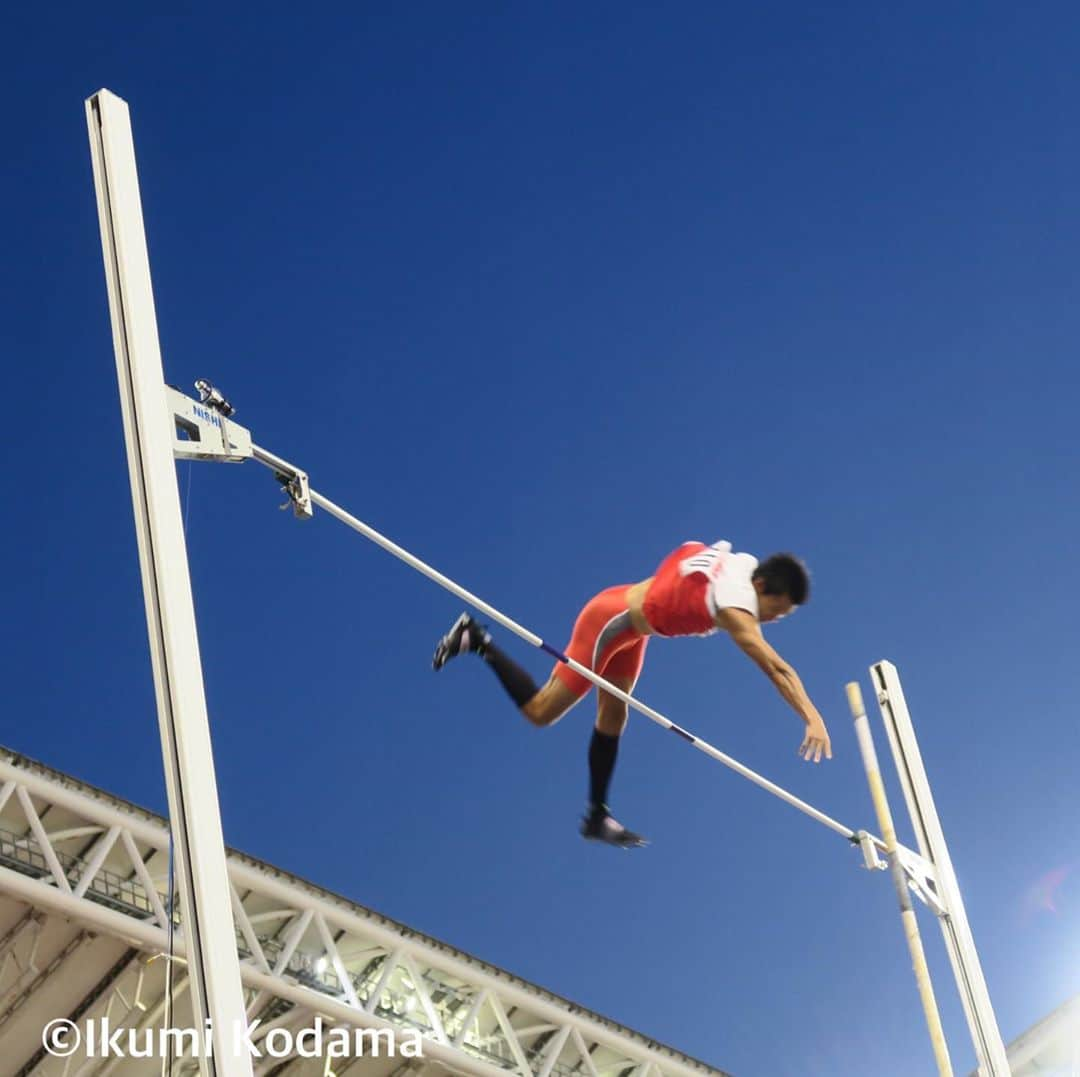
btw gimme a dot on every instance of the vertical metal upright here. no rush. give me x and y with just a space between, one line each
208 929
989 1047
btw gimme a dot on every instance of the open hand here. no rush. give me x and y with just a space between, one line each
815 742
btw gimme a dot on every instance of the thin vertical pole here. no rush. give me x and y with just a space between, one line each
174 647
907 913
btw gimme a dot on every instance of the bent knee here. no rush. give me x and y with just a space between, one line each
550 703
538 712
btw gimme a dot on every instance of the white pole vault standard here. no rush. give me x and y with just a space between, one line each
287 470
174 647
907 913
959 942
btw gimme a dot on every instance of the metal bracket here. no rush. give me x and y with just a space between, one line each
922 879
921 875
299 491
203 432
871 860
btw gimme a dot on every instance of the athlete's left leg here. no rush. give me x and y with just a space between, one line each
541 706
603 629
551 702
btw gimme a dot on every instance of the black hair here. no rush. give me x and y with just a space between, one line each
785 574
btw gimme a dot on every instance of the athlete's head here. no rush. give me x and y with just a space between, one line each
782 583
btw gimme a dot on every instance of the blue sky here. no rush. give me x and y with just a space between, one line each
541 291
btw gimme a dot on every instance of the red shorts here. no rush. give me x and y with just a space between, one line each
605 641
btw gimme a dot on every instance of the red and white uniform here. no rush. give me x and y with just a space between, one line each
690 586
695 582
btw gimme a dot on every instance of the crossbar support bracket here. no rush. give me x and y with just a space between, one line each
200 432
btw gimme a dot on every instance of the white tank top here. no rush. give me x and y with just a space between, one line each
730 577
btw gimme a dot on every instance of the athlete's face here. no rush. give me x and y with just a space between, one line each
773 607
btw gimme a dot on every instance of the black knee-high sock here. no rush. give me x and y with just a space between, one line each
603 749
518 684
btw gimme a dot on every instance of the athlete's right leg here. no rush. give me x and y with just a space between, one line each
622 670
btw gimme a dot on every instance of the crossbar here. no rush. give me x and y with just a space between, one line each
282 467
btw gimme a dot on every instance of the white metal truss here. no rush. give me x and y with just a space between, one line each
66 850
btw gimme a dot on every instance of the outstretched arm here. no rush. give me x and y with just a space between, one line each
746 633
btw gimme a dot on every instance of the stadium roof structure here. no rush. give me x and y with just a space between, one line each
84 937
1050 1048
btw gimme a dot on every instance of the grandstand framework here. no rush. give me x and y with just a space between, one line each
84 934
